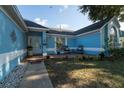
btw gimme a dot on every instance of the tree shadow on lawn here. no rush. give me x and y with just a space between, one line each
106 74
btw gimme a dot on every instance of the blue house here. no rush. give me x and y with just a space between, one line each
94 38
16 34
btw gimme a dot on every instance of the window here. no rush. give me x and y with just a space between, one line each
60 41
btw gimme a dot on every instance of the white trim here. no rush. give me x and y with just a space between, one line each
71 36
94 49
7 57
101 29
55 45
90 48
85 48
72 47
60 35
3 10
109 22
51 49
66 42
117 32
37 28
110 25
44 54
58 29
93 31
101 37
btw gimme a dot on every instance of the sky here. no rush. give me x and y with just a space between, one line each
56 16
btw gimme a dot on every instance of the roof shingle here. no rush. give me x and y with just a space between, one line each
92 27
33 24
89 28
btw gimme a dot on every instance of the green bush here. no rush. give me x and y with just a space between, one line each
29 48
117 53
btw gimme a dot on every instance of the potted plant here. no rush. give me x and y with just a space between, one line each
30 52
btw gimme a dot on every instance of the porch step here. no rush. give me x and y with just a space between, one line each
34 59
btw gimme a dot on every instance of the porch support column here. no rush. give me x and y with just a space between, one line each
44 43
55 45
66 41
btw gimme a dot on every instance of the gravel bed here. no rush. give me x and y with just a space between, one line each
14 78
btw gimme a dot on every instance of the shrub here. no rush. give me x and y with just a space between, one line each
29 48
117 53
101 55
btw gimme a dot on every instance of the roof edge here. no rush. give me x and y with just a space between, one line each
16 10
109 21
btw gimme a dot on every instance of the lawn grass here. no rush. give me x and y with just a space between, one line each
78 73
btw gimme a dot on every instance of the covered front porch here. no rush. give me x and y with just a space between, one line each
43 43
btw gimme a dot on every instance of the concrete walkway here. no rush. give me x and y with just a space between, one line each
36 76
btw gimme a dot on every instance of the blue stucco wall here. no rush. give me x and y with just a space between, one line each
8 46
72 42
91 40
50 44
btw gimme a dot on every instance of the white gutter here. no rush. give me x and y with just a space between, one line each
60 35
92 31
37 29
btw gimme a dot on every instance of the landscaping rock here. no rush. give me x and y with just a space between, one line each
14 78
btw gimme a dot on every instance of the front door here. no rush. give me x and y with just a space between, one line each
35 42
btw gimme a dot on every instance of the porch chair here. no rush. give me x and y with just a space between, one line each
80 49
65 49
